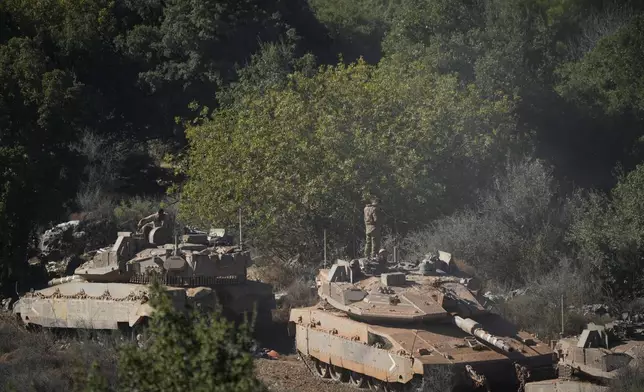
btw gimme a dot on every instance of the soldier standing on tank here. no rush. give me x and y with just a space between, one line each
372 221
157 219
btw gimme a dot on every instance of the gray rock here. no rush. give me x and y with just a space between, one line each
74 238
6 304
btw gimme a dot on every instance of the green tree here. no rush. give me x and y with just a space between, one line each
188 352
102 73
609 234
304 157
609 76
357 27
189 50
37 175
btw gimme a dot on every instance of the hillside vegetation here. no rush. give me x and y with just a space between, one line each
506 132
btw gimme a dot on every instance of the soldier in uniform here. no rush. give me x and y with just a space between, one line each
372 221
157 219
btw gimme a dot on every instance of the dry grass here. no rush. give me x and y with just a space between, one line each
631 380
276 274
294 279
544 299
40 361
300 293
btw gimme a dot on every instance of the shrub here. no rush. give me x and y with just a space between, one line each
609 235
194 352
631 380
129 212
300 293
543 297
41 362
516 230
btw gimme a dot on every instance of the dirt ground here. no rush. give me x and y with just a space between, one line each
289 374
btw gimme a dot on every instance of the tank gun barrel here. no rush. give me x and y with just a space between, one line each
473 328
66 279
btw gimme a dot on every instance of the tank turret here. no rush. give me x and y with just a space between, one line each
399 295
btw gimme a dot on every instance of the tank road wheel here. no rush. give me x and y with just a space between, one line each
357 380
338 374
322 369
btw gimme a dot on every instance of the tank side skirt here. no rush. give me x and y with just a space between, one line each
358 357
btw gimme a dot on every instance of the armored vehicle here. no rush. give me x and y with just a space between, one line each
588 362
110 291
403 329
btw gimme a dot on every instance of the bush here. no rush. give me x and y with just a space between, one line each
631 380
608 234
543 297
129 212
420 141
300 293
514 233
189 353
195 352
41 362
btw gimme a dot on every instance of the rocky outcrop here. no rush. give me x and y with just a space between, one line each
61 247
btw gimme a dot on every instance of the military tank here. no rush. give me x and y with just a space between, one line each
110 291
590 361
417 327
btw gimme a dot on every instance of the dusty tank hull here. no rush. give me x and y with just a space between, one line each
401 356
112 306
89 305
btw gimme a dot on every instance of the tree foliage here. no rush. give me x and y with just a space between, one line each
193 351
307 155
36 125
82 73
514 233
198 353
609 76
356 27
94 92
609 233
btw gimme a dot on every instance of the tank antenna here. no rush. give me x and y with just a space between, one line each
413 343
562 314
241 246
324 248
